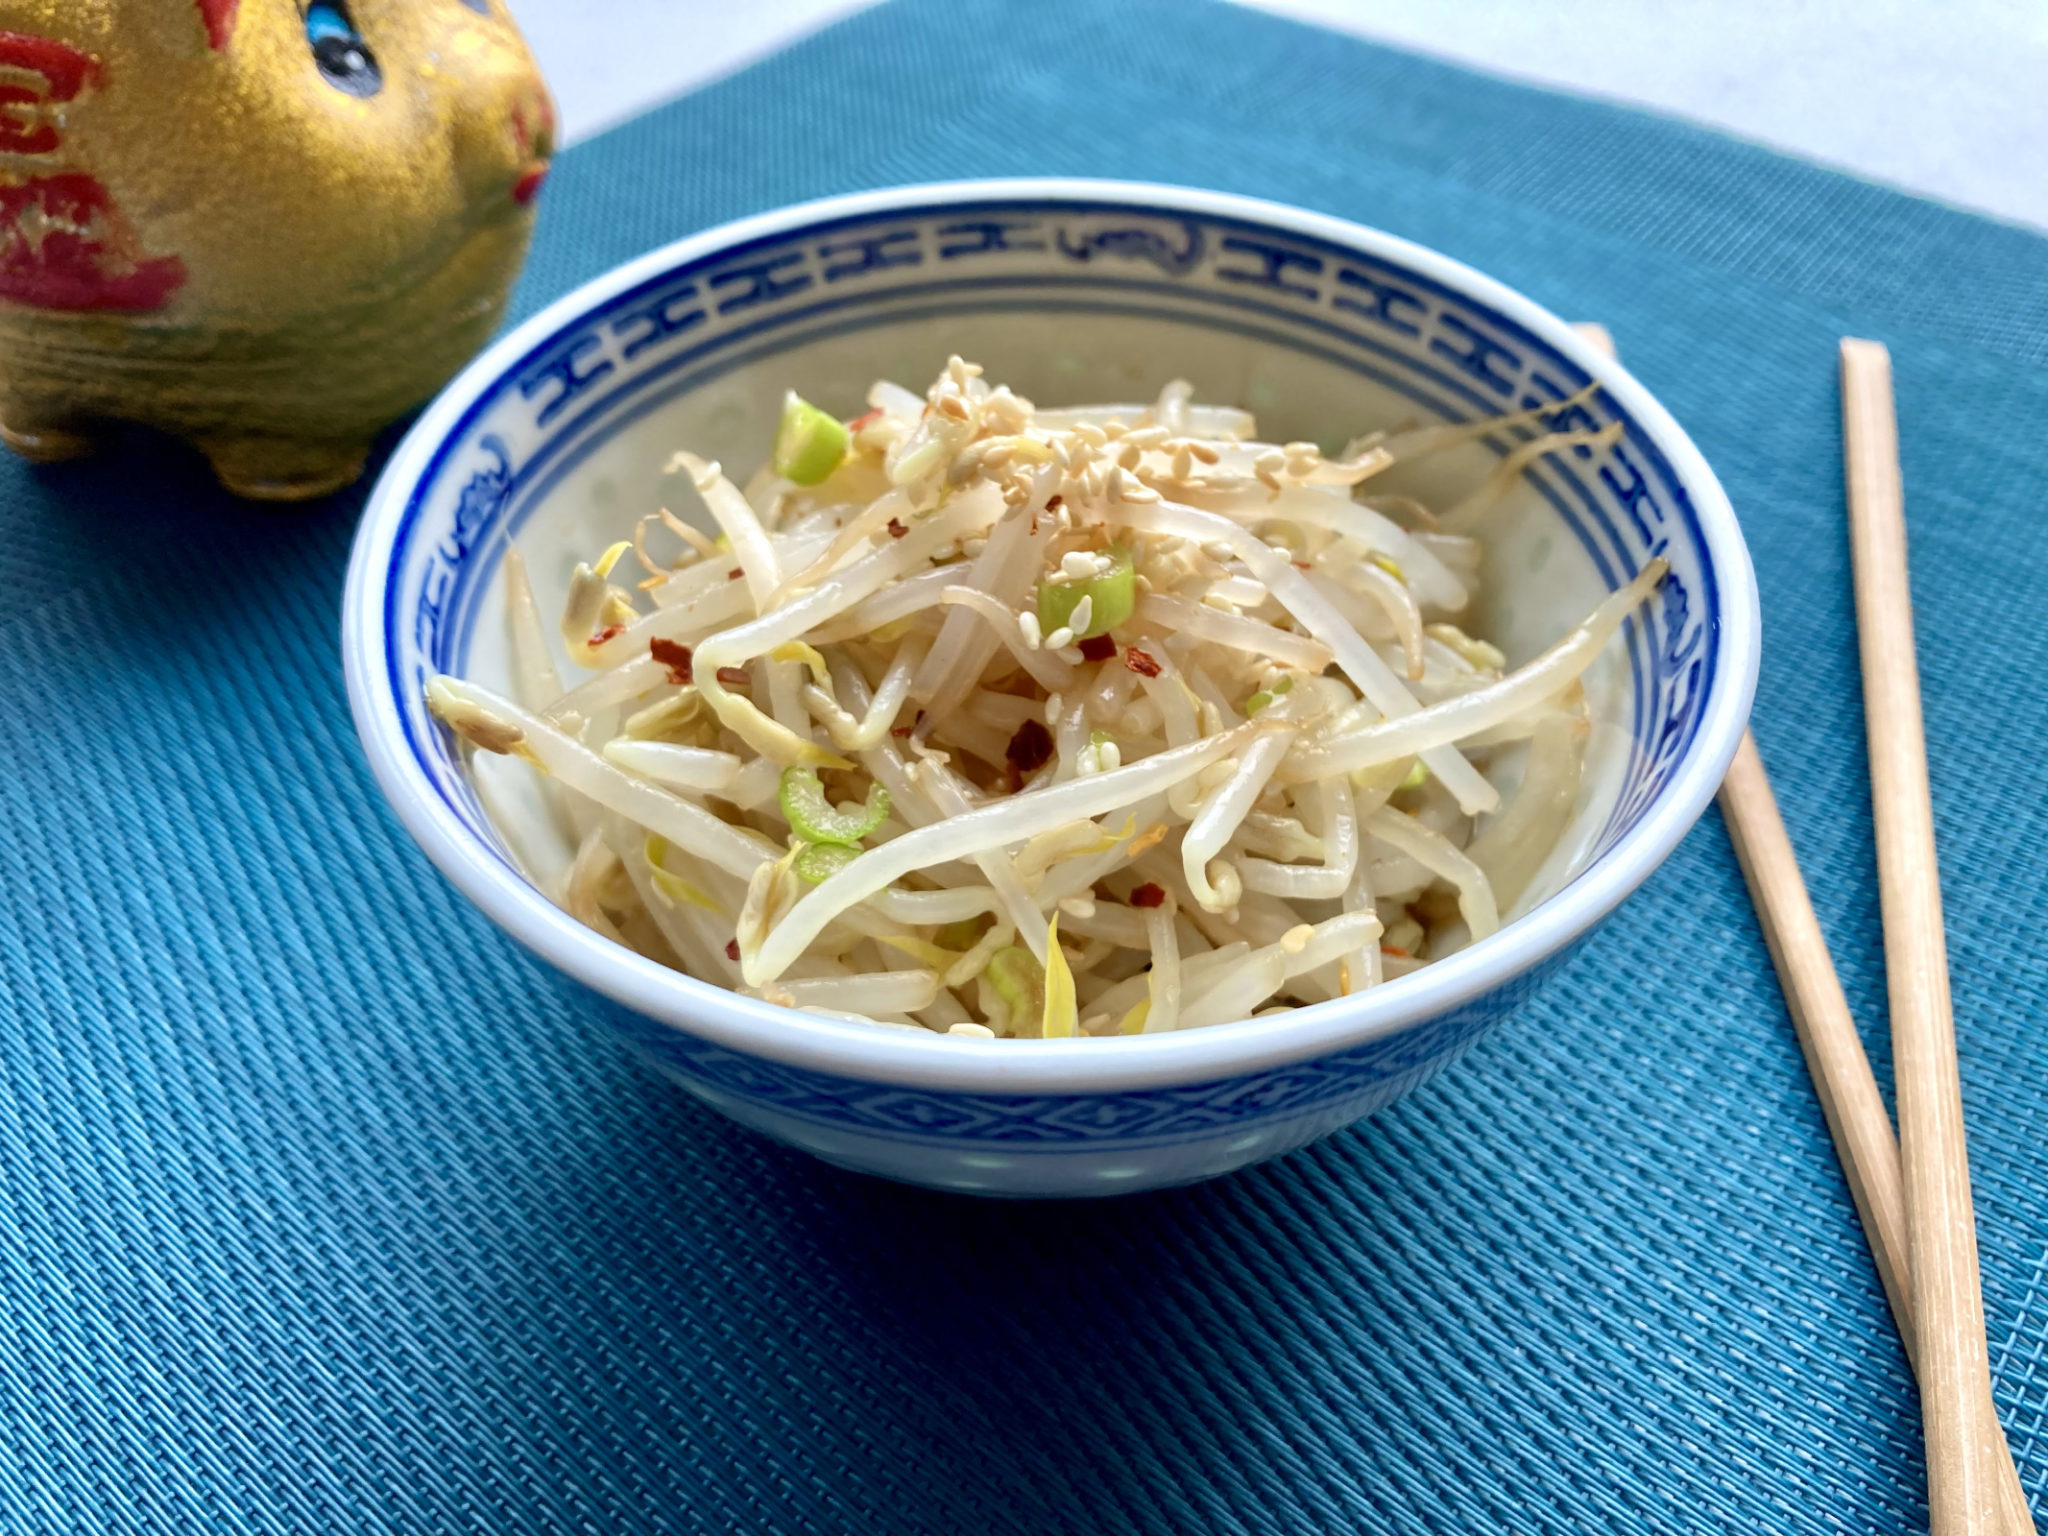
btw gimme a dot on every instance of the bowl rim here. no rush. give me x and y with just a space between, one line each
1076 1066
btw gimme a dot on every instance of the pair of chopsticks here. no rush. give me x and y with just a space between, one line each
1912 1193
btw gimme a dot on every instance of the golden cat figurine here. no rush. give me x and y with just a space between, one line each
269 226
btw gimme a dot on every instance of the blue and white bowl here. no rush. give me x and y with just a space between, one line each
1070 291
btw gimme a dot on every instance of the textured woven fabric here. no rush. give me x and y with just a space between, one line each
320 1213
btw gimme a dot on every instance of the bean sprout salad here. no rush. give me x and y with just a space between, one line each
991 720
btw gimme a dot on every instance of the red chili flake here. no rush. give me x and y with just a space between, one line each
734 574
1054 503
1303 565
1140 662
866 420
609 632
734 677
674 655
896 528
905 730
1395 950
1031 748
1148 895
732 949
1098 647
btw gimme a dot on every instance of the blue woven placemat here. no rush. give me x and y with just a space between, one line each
320 1214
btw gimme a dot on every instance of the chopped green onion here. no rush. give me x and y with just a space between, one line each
810 444
1019 982
1111 596
819 862
816 820
1265 697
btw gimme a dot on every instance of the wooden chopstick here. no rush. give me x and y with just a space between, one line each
1856 1116
1948 1308
1850 1101
1857 1119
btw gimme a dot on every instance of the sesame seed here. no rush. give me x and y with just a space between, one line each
1130 454
1079 564
1295 939
1059 640
971 1031
1082 616
1082 907
1034 638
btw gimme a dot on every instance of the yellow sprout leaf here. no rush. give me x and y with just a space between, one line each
1152 837
796 650
611 557
672 885
1133 1023
1062 1010
921 950
769 737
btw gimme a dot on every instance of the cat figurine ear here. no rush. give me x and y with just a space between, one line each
270 227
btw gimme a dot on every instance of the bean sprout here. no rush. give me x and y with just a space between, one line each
989 675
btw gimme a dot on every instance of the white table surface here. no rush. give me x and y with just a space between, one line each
1948 98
